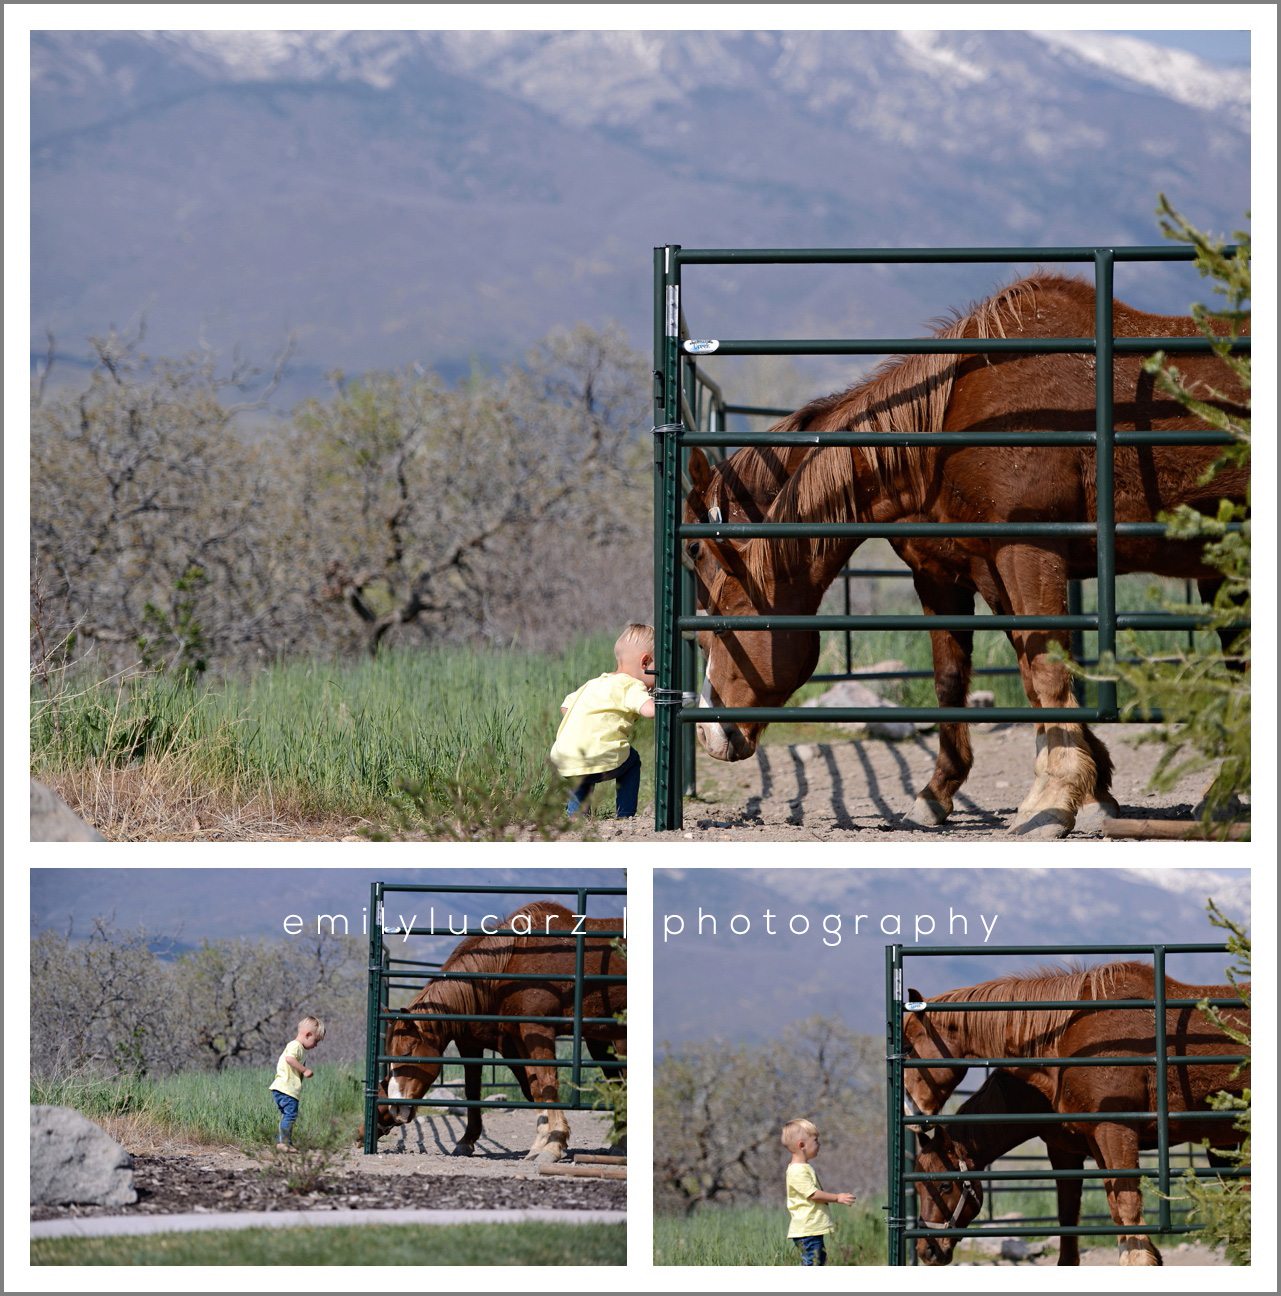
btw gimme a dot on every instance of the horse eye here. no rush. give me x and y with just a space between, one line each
694 548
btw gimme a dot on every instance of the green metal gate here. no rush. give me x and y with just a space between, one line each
388 973
901 1174
676 430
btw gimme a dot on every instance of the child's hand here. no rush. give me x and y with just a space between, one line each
845 1199
307 1074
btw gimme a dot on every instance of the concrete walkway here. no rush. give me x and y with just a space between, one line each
121 1225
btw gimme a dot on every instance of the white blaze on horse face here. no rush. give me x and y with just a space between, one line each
714 736
394 1087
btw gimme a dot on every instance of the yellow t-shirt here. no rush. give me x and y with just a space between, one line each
596 730
808 1218
288 1081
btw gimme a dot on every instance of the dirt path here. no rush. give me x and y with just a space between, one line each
858 787
414 1167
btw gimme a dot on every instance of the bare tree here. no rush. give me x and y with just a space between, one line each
101 1003
718 1112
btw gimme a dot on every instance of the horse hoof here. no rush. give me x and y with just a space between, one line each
552 1152
464 1149
1045 825
1092 816
926 813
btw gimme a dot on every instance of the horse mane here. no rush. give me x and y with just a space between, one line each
1035 1031
902 394
488 954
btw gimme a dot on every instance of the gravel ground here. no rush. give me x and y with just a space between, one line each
417 1171
856 789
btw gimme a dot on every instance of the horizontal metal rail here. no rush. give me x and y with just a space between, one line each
919 621
951 951
486 1103
1133 1059
1048 1174
1181 345
912 715
1027 1005
1066 255
598 977
1062 1118
495 1017
921 530
445 1059
1063 1230
945 440
460 888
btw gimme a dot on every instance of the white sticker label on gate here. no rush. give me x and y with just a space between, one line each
701 346
915 1005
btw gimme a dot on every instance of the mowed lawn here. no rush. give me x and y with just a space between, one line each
363 1244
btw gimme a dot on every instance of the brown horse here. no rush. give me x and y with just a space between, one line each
547 951
954 1203
961 484
1051 1033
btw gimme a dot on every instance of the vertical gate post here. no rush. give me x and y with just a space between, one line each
580 949
1162 1086
668 782
373 1012
894 1105
1104 472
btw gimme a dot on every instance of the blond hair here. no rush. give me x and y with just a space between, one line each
796 1127
638 633
317 1024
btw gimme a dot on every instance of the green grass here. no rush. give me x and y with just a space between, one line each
438 732
222 1107
364 1244
449 741
757 1235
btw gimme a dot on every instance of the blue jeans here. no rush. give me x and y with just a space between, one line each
288 1114
628 776
813 1252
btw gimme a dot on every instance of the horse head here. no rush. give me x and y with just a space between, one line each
943 1204
926 1089
409 1079
745 668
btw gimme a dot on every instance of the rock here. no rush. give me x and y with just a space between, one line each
53 820
892 730
1017 1249
848 693
981 698
72 1160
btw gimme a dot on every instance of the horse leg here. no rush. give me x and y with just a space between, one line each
475 1120
1116 1147
553 1142
1035 581
541 1122
1068 1193
953 653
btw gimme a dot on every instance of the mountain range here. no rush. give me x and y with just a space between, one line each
447 198
749 986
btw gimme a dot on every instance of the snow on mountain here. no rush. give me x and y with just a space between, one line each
1175 74
448 197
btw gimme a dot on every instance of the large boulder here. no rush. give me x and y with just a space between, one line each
53 820
72 1160
850 693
